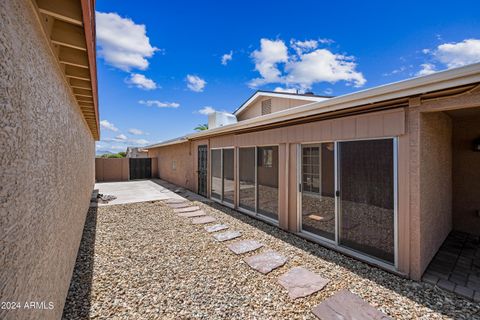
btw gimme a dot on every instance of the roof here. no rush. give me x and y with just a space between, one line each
168 142
265 93
69 29
443 80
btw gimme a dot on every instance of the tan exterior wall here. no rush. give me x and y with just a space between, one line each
112 169
176 164
466 175
46 168
435 186
278 104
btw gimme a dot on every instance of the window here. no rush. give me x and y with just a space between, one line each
267 158
246 177
266 106
267 182
174 165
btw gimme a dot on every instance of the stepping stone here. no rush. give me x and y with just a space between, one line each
203 220
301 282
244 246
188 209
192 214
180 205
266 262
173 201
227 235
347 305
216 227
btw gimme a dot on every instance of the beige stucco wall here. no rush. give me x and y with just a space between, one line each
466 175
278 104
46 168
175 164
435 184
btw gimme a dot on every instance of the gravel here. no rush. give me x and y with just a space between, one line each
143 261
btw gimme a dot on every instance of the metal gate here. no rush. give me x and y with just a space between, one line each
140 168
202 170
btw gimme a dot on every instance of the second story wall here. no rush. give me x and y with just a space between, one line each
277 104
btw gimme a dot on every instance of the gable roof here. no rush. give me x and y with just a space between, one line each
263 93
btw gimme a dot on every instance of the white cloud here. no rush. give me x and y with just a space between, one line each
159 104
141 82
427 68
108 125
328 91
141 142
206 110
195 83
121 137
227 57
271 53
458 54
303 67
123 43
322 65
287 90
136 132
302 46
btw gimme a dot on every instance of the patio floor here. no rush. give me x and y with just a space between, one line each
456 266
145 261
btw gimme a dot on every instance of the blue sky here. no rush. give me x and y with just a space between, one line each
160 62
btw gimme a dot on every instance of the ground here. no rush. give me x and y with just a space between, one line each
142 261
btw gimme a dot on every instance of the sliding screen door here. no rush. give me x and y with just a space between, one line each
246 177
318 189
216 170
267 181
228 170
367 197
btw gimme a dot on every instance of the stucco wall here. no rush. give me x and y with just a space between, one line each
175 164
466 175
435 183
46 168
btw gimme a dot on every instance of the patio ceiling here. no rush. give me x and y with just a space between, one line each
69 26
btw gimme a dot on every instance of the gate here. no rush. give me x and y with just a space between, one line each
202 170
140 168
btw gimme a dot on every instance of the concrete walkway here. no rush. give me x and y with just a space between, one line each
136 191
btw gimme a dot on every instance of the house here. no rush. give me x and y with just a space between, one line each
135 152
382 175
48 127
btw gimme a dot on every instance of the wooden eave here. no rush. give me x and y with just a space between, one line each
69 26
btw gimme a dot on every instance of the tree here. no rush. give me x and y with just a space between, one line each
201 127
123 154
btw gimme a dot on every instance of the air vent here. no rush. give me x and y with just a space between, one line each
266 106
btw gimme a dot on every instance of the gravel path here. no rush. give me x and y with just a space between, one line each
142 261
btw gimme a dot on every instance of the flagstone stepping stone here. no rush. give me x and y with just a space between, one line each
347 305
188 209
216 227
192 214
203 220
244 246
301 282
227 235
266 262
